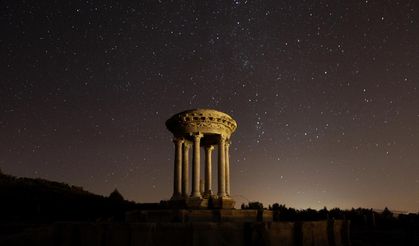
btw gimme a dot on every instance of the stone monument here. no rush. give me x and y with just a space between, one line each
206 128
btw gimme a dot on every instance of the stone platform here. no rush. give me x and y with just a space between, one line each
322 233
199 215
202 203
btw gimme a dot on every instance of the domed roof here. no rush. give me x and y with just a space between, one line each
206 121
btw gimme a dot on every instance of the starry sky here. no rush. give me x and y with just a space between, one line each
325 93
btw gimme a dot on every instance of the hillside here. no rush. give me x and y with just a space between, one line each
27 200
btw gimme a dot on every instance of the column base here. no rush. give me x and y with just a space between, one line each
196 195
197 202
205 202
223 202
207 194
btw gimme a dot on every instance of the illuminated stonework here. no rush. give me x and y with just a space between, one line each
205 128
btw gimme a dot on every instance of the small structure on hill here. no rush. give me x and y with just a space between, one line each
206 128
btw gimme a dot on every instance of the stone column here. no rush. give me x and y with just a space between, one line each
196 165
177 179
208 170
185 169
221 167
227 163
201 186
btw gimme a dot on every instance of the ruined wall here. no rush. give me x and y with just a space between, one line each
185 234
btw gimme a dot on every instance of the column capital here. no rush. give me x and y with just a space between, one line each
197 135
209 147
223 138
186 144
178 140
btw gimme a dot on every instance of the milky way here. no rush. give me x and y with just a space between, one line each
325 93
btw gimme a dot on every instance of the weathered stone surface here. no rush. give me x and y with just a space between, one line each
233 215
185 234
281 234
224 202
207 215
201 128
202 120
267 215
197 202
200 215
314 233
340 232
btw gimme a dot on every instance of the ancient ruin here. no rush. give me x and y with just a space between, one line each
196 128
196 216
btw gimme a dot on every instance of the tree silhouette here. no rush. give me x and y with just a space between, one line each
387 213
252 205
116 196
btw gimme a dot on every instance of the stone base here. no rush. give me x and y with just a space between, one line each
196 202
332 232
198 215
223 203
212 202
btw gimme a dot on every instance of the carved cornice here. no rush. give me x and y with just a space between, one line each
206 121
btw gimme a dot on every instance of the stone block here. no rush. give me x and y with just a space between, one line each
314 233
203 215
267 215
234 215
231 234
341 232
205 234
223 203
187 233
281 233
197 203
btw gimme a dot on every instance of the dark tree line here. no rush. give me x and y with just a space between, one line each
359 217
26 200
367 227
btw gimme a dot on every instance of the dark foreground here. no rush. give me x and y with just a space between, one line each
41 212
204 233
187 234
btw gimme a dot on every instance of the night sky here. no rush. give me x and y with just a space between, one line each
325 94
